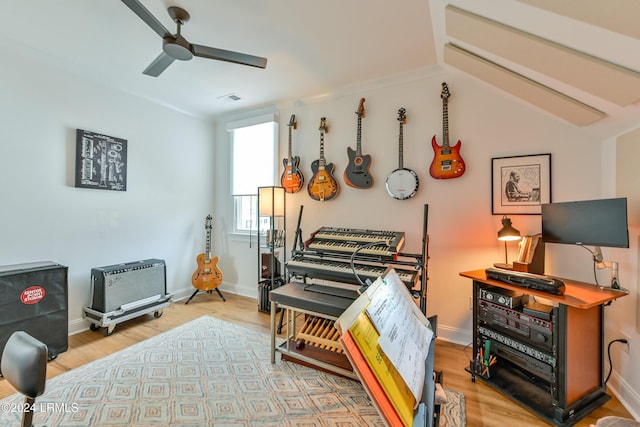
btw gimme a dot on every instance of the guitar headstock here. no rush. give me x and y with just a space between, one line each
402 117
292 122
360 111
207 222
323 125
445 91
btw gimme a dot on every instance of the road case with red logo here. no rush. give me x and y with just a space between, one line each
33 298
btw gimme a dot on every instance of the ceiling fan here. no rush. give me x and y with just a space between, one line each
174 46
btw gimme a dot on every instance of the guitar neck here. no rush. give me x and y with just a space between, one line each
207 254
359 138
445 123
290 154
322 161
400 146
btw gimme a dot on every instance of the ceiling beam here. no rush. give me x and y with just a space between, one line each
518 85
619 16
592 75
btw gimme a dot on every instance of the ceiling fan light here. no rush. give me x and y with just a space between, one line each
177 48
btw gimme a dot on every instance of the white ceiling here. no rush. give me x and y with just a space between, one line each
313 48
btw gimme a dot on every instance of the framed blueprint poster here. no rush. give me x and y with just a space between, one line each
101 161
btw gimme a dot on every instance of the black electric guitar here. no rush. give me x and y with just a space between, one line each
447 162
208 275
292 178
357 172
323 186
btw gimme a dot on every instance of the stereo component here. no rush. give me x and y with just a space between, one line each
503 297
517 345
528 363
533 331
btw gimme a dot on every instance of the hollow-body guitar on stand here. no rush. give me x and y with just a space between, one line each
447 162
402 183
208 276
292 179
323 186
357 173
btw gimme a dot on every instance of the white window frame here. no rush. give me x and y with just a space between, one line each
244 200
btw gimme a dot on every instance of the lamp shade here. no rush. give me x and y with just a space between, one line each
271 201
507 232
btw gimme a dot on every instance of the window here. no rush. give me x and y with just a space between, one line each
253 165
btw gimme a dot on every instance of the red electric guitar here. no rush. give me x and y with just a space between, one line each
447 162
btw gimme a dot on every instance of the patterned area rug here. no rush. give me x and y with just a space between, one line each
453 413
205 372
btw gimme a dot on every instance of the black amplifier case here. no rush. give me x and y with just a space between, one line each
34 299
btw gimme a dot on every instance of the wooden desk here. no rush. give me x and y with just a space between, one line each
573 363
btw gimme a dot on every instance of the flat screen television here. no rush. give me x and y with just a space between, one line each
600 222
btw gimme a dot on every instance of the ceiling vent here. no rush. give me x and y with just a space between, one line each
229 98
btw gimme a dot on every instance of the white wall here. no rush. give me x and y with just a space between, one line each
44 217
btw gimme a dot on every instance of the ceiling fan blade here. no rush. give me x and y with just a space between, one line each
144 14
229 56
158 65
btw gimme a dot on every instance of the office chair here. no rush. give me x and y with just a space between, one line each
24 365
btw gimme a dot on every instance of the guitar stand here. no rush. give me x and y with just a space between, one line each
209 291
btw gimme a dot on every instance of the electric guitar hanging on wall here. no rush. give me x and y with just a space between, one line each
323 186
402 183
208 275
357 172
447 162
292 178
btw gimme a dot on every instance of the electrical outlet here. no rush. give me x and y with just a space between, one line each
626 347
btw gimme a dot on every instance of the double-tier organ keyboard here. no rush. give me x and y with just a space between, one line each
352 238
341 271
333 253
322 246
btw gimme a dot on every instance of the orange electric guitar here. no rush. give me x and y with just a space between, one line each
323 186
292 179
447 162
208 275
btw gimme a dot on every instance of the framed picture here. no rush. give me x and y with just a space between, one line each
101 161
520 184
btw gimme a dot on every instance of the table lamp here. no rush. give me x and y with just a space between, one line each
507 233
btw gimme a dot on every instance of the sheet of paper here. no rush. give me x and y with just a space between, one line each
405 334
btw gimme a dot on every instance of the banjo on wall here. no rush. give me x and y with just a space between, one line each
402 183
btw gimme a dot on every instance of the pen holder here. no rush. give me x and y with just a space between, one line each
479 368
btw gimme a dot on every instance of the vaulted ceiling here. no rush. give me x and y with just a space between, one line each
575 59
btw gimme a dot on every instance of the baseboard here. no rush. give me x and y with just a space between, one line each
454 335
628 397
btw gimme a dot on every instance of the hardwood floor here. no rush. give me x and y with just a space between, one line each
485 407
